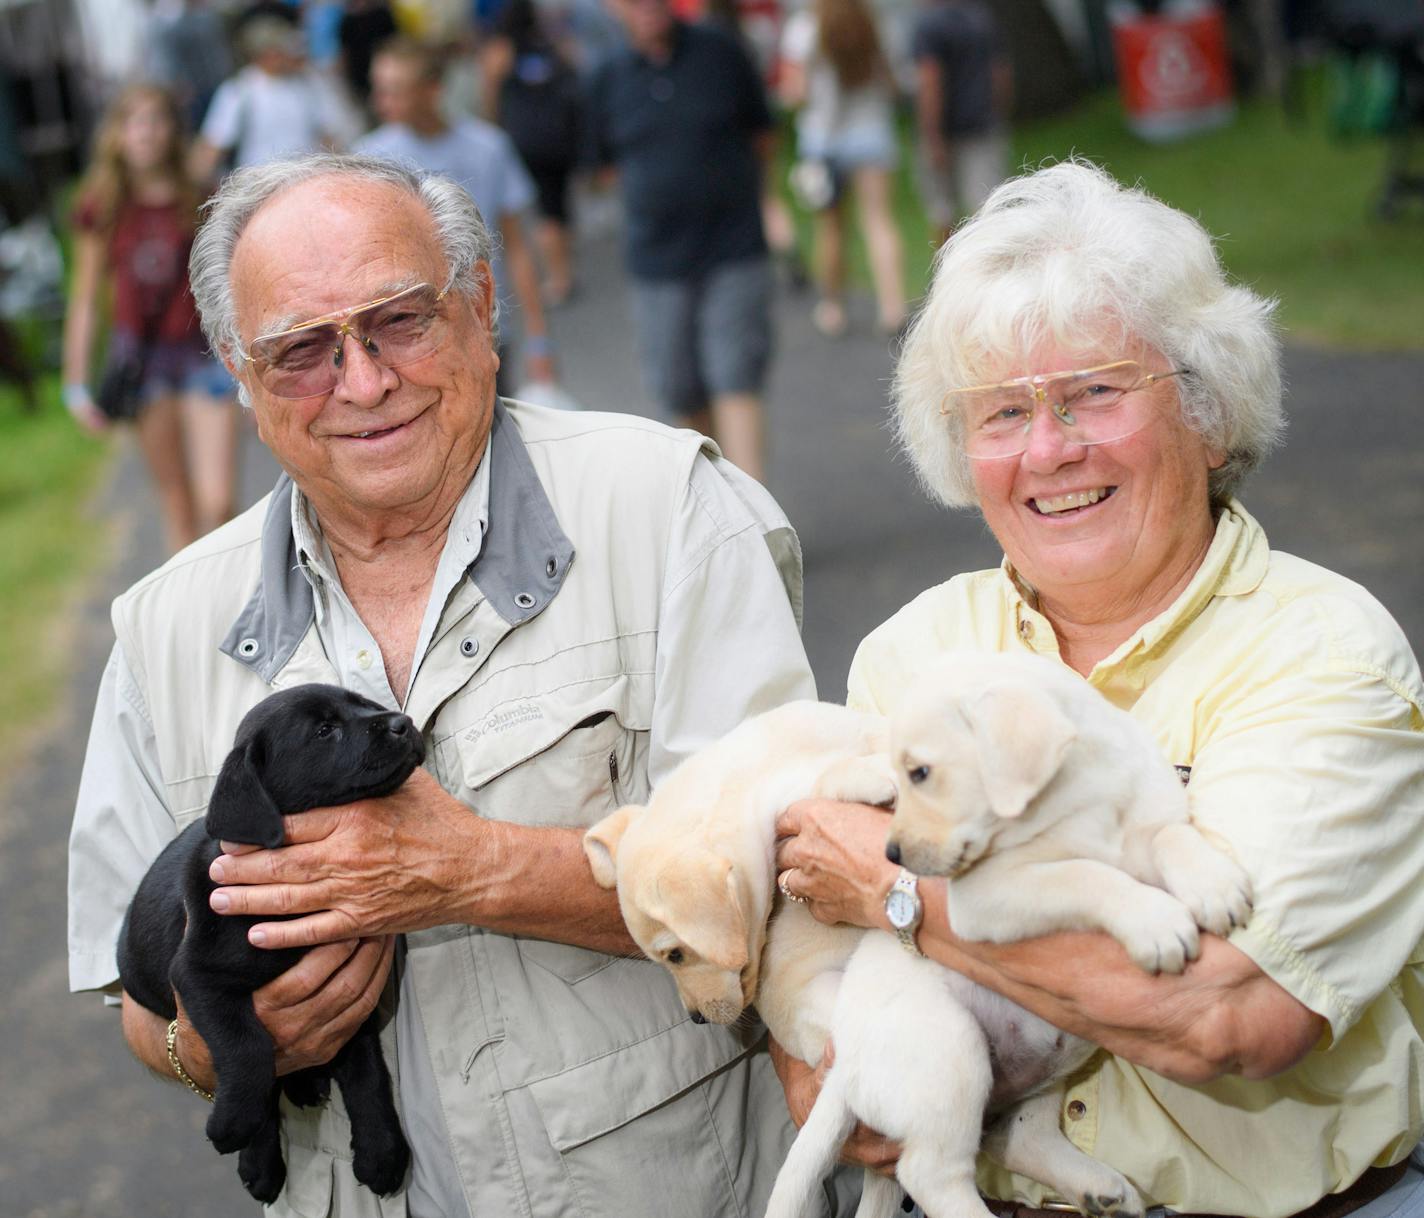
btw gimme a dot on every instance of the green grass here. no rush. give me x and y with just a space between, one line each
49 542
1292 208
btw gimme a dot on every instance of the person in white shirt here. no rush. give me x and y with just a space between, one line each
276 106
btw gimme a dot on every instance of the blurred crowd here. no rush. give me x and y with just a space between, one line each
673 107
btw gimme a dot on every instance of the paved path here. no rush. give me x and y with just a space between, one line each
85 1131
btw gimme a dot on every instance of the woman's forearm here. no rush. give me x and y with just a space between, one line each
1222 1015
79 319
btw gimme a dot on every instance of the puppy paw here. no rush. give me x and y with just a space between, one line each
231 1128
863 780
1122 1201
1199 871
262 1171
1158 932
1213 887
381 1163
306 1088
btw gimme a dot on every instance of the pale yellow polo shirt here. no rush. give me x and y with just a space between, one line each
1296 701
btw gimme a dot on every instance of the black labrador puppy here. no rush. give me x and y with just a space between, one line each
306 747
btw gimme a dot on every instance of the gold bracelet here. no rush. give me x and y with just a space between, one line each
173 1061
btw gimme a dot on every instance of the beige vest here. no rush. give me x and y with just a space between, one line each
570 1082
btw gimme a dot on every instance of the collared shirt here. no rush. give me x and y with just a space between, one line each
1295 700
682 134
345 638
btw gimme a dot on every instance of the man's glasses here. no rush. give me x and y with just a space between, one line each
1092 405
306 360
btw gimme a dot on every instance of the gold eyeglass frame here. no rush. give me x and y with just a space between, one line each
344 319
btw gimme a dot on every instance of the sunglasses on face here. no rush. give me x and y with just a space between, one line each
307 360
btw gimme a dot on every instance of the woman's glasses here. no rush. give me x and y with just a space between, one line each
306 360
1092 405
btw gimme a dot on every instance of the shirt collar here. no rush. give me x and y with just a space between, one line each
1235 564
462 541
521 555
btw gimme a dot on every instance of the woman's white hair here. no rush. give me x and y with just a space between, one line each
464 238
1066 254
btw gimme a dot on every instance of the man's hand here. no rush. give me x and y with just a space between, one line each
317 1005
375 867
802 1084
833 854
309 1011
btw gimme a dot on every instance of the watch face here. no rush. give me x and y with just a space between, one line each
900 908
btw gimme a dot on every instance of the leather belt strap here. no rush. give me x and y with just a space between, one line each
1375 1181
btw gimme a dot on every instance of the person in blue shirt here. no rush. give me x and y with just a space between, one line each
406 94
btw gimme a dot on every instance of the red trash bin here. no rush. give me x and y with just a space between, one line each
1172 68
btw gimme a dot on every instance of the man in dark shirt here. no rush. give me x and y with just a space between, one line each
681 114
963 88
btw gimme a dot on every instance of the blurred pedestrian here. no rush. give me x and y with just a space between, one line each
406 93
189 52
275 106
963 96
533 92
835 71
135 214
682 115
364 26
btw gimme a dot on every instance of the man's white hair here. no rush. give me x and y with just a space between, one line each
1066 254
464 239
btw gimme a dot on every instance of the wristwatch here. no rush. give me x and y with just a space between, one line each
905 910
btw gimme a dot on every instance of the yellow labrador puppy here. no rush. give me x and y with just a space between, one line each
1052 810
914 1041
694 868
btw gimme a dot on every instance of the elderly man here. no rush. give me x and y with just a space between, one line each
565 604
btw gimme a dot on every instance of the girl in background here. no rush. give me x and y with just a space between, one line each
134 218
834 70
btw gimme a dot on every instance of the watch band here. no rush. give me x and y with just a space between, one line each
908 883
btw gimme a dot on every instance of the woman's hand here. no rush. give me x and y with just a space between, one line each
833 855
802 1084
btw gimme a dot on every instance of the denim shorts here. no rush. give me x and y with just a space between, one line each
703 337
180 368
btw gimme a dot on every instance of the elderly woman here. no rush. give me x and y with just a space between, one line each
1085 376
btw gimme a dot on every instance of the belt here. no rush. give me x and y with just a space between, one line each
1375 1181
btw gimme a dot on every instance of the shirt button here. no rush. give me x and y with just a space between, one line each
1026 629
363 659
1077 1110
468 647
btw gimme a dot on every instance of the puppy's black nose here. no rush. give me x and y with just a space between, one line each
892 851
399 725
698 1017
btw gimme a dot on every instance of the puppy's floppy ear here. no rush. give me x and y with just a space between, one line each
240 809
1022 738
600 844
